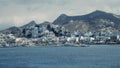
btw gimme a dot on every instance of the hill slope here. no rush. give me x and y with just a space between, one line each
95 21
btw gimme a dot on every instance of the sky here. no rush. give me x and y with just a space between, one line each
20 12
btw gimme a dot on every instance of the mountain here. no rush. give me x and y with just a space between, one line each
33 30
62 19
18 31
95 21
30 24
45 24
12 30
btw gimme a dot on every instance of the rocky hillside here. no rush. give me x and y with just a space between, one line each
95 21
12 30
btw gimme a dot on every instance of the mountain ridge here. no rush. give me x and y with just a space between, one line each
95 21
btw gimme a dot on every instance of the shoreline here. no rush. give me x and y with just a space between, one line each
63 45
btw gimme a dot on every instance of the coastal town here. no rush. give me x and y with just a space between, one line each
53 35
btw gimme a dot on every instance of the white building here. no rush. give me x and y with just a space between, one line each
24 42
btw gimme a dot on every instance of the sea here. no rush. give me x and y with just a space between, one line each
94 56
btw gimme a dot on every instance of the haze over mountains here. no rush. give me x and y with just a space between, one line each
94 22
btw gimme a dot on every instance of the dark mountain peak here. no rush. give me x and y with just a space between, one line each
98 12
95 21
63 15
31 23
64 19
44 23
61 19
12 30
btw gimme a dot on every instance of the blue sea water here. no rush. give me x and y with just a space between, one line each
60 57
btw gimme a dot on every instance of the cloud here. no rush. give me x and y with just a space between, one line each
19 12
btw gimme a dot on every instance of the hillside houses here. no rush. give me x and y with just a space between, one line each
6 40
49 34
